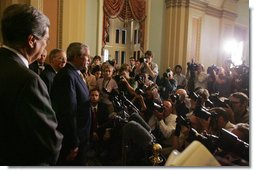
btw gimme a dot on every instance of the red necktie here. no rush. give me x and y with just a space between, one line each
94 111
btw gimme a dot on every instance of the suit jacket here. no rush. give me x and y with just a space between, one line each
70 99
103 120
28 134
47 76
35 67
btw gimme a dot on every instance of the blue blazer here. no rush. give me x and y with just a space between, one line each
28 134
70 100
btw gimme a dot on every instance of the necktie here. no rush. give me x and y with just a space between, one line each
94 110
83 78
40 69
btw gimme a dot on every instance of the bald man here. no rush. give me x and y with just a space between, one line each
181 102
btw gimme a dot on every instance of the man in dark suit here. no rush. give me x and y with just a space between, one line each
70 99
101 127
39 65
28 134
57 59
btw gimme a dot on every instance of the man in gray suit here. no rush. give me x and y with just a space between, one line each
28 134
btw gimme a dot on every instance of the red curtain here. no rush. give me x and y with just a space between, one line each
125 10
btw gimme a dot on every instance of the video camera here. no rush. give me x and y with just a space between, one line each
203 113
158 107
191 66
181 109
140 78
142 60
175 98
167 73
219 103
194 96
212 68
225 140
112 62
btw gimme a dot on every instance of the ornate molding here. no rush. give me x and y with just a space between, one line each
199 5
228 14
218 12
215 12
177 3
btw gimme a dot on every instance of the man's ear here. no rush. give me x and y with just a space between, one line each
31 40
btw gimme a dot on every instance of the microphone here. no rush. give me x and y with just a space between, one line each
135 132
136 117
129 103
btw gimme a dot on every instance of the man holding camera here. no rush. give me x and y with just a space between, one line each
150 67
167 84
164 122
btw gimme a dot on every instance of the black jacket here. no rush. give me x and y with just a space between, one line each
28 134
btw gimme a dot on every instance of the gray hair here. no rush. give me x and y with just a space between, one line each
21 20
75 49
53 53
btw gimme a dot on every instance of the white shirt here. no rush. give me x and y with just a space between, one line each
95 108
167 126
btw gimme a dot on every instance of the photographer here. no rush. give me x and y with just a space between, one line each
152 96
223 145
125 83
163 121
209 120
197 77
240 78
222 82
220 120
197 106
167 84
204 100
150 67
190 75
179 77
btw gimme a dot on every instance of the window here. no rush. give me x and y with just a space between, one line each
135 36
123 57
106 55
117 56
138 54
134 54
117 35
138 36
107 38
124 36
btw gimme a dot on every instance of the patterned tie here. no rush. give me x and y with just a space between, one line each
83 78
